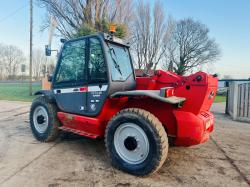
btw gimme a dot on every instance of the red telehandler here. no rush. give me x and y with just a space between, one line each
96 93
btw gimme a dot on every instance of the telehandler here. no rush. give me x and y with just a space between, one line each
96 93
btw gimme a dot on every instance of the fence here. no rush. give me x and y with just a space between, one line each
239 101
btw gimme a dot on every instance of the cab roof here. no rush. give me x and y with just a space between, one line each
104 36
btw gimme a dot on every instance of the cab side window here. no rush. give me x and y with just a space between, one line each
97 67
72 69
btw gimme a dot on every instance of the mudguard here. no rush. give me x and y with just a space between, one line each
154 94
48 94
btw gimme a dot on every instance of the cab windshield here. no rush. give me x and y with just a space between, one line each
120 62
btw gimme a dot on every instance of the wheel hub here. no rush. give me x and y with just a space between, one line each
130 143
40 119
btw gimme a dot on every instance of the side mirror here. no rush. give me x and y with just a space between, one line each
47 50
62 40
50 78
215 75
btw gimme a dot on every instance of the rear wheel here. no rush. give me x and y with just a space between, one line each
43 120
136 141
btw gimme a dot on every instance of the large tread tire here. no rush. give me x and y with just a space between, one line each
52 132
157 136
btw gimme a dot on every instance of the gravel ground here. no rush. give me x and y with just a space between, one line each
74 161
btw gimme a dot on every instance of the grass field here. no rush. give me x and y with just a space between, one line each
20 92
17 91
220 99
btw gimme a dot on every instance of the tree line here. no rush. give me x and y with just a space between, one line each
157 40
13 63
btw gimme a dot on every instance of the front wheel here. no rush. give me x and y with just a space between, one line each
136 141
43 120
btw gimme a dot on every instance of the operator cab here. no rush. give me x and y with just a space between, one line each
90 69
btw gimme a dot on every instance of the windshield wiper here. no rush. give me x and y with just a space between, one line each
114 61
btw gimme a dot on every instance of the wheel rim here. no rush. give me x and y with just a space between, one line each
131 143
40 119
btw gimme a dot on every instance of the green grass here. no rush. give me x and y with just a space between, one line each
17 91
220 99
20 92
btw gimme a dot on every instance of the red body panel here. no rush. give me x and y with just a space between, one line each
190 124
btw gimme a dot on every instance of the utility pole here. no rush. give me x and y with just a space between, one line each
31 35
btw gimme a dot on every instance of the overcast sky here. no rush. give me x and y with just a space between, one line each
228 21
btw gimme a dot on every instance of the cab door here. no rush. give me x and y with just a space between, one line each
97 77
70 79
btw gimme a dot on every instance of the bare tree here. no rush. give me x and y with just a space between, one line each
50 66
11 58
190 47
39 61
74 16
2 63
150 35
